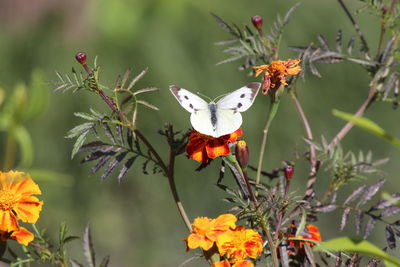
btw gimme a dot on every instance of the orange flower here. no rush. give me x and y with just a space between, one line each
201 147
17 202
311 232
205 231
22 236
240 243
226 263
274 73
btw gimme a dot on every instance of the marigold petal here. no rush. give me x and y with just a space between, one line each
235 135
194 241
216 148
28 209
26 186
22 236
224 263
243 263
8 221
225 221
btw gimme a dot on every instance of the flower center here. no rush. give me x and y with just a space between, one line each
7 200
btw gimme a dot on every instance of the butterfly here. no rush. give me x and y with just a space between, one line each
221 118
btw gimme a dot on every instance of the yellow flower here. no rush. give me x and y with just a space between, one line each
240 243
274 73
205 230
17 202
22 236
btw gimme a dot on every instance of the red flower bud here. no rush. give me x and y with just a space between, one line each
289 171
81 57
257 21
242 153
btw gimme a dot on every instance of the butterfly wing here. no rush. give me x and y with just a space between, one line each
201 116
228 121
241 99
188 100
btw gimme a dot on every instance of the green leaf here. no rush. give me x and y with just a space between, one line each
347 244
79 130
78 143
25 143
367 125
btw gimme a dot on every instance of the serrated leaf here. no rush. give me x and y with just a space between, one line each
103 161
388 49
326 208
347 244
120 134
384 203
78 130
225 26
390 237
345 217
78 143
108 132
147 104
370 226
113 164
126 167
363 62
350 45
356 193
88 249
145 90
92 146
391 211
231 59
323 42
98 154
370 192
85 116
367 125
137 78
70 238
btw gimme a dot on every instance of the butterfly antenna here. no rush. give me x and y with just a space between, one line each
219 97
204 96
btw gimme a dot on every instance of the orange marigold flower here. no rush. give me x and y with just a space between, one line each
22 236
205 230
201 147
226 263
16 200
274 73
240 243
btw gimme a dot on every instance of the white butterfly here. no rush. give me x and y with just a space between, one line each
217 119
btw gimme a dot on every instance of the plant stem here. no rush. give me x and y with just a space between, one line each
356 27
272 248
271 115
312 176
174 192
168 171
347 127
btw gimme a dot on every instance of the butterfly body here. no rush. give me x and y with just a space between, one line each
220 118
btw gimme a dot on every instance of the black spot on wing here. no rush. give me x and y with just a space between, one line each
239 105
191 106
186 97
242 95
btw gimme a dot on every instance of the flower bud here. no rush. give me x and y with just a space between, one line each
242 153
257 21
81 57
289 171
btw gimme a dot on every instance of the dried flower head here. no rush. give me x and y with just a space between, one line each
276 72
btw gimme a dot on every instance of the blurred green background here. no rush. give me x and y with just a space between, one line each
136 222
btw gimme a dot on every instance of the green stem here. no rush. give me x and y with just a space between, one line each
271 115
271 244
